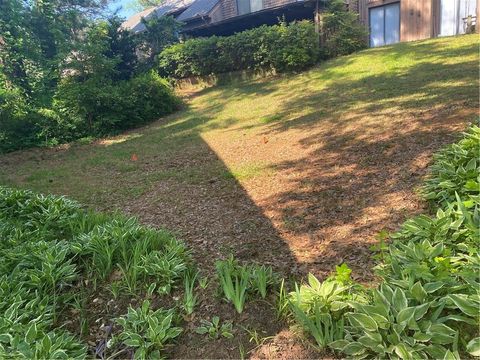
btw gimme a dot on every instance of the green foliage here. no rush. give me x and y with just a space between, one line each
237 281
159 33
189 297
49 246
213 328
96 99
427 303
234 280
280 48
147 330
342 33
319 306
456 169
261 278
66 74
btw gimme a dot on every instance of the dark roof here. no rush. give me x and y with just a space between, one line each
134 23
197 9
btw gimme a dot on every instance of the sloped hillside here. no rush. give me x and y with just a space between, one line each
301 172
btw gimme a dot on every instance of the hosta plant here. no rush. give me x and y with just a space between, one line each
456 169
319 306
394 326
147 330
213 328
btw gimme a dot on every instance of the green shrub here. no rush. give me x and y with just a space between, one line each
342 33
50 246
319 306
456 169
147 330
101 107
280 48
427 303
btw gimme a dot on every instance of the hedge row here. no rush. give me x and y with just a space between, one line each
281 48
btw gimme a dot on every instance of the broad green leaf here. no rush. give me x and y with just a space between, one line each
421 310
363 321
406 314
354 348
338 345
403 351
473 347
451 356
399 300
464 304
421 337
433 286
31 333
441 334
418 292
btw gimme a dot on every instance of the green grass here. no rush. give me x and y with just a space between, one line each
365 94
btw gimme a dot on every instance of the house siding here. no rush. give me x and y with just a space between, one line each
227 9
419 19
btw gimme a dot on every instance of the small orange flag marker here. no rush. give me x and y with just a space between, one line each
134 157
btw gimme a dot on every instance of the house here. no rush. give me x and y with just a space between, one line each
225 17
391 21
388 21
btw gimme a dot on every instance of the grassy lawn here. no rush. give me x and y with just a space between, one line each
300 172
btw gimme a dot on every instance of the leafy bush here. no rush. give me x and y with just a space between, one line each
100 107
319 307
342 33
427 303
97 89
49 247
280 48
456 169
147 331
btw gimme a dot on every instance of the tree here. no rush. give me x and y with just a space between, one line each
149 3
160 32
341 31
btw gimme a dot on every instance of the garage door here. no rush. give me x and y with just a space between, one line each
385 25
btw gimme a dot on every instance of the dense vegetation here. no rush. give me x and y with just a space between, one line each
57 257
281 48
67 73
427 304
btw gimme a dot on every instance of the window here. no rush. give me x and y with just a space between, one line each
385 25
248 6
454 16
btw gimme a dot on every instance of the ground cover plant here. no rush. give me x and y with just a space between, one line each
427 305
239 281
335 168
56 256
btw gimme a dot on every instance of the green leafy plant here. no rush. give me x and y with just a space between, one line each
52 252
456 170
282 300
189 298
213 328
261 278
319 306
147 330
234 280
